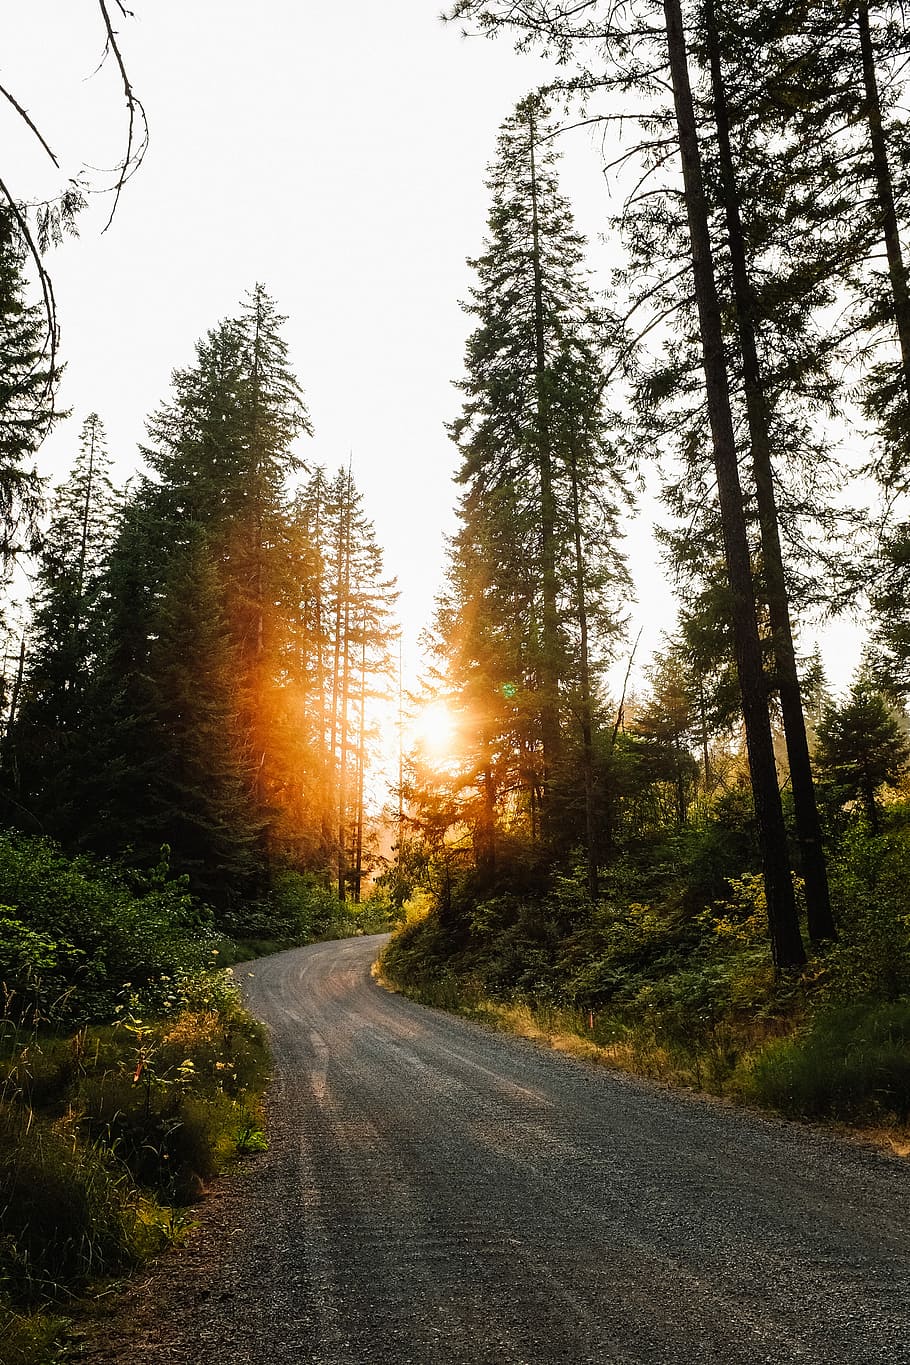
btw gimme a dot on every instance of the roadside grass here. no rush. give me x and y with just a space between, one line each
852 1064
108 1134
668 974
130 1073
716 1064
29 1338
804 1055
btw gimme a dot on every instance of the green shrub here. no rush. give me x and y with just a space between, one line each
298 909
172 1101
852 1063
90 1121
78 937
869 881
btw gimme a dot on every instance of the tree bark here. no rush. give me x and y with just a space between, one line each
319 658
550 650
809 834
786 942
345 690
587 724
17 690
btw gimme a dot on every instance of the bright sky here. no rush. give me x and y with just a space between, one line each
334 151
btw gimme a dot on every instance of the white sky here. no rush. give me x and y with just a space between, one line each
334 151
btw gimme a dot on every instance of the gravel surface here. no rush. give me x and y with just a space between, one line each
438 1193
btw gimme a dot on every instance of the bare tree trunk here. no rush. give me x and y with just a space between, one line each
808 826
786 942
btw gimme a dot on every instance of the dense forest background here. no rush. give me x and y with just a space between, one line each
705 878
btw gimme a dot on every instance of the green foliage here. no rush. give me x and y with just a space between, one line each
27 386
299 908
28 1339
37 970
862 746
98 1127
869 880
669 971
302 908
78 938
852 1063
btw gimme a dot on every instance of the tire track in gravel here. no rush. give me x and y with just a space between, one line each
437 1193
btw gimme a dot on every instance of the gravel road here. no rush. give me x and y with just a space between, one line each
435 1193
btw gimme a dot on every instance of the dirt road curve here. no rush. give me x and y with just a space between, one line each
437 1194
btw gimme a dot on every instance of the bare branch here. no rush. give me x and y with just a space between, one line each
136 145
24 115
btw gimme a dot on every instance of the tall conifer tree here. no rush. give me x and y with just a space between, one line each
45 740
532 563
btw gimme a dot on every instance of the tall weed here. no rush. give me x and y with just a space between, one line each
851 1063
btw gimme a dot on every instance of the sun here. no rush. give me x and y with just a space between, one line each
435 731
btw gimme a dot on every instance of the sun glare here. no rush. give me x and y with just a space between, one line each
434 730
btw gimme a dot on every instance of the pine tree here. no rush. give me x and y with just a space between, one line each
785 937
190 678
27 383
637 57
862 746
759 421
534 563
63 640
222 451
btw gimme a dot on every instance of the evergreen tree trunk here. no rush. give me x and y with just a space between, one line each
83 539
361 768
345 686
884 188
786 942
319 653
17 691
399 850
587 726
550 623
703 723
808 826
336 643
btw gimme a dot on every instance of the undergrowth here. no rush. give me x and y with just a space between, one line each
107 1133
130 1073
669 975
